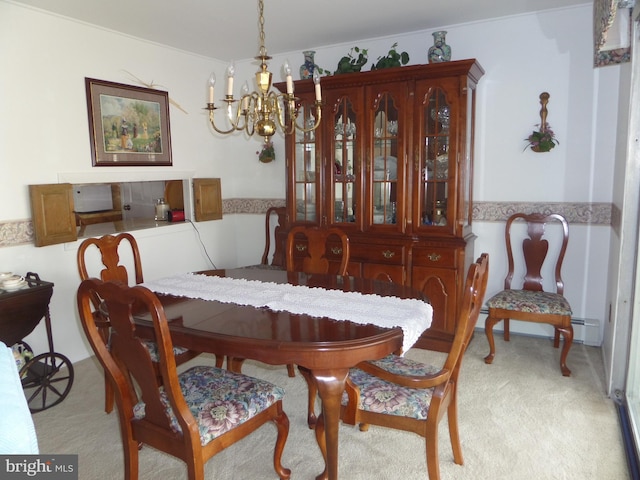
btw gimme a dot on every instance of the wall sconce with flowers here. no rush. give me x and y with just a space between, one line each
543 139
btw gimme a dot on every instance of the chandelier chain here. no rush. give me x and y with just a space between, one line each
263 50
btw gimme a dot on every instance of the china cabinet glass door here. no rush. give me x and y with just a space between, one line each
434 173
385 161
344 168
305 171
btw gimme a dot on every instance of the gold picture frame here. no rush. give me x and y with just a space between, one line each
128 125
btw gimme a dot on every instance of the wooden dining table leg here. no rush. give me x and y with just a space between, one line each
330 387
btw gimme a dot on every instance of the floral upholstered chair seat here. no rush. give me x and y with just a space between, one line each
380 396
219 400
530 301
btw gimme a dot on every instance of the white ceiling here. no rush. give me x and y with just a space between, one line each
229 30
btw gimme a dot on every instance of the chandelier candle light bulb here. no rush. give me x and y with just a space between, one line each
287 72
231 70
316 80
245 96
212 84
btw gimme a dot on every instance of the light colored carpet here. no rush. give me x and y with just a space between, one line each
519 419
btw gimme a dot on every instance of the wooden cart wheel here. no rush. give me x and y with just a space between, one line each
46 380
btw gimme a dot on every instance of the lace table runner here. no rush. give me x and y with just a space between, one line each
412 315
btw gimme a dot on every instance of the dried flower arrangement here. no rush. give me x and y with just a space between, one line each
542 140
267 153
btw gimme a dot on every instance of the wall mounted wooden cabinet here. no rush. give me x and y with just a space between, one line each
52 214
207 196
391 164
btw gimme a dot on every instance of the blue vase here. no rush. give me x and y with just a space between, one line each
308 67
439 51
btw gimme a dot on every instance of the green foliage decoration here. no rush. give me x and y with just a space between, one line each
392 59
350 63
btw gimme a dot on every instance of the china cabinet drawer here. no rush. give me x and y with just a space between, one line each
435 257
389 254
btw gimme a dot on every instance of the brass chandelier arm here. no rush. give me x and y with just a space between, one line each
235 125
292 125
318 117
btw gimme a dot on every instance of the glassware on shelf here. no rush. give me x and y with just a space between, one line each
439 213
392 127
442 115
351 129
441 166
345 129
162 210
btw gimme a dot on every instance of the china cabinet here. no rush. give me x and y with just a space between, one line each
391 164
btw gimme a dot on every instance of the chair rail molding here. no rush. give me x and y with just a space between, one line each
574 212
20 232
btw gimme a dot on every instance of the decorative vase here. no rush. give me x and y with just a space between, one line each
439 51
307 68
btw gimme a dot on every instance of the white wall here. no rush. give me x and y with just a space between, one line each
45 59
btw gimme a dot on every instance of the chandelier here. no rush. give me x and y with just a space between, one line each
263 110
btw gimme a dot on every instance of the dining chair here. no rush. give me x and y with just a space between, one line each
309 249
404 394
528 300
109 250
192 415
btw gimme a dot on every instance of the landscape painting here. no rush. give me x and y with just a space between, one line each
128 125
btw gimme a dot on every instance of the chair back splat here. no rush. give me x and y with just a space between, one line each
173 413
401 393
535 250
318 250
528 300
109 246
278 255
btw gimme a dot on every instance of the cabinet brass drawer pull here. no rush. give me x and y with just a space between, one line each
336 250
434 257
388 254
301 247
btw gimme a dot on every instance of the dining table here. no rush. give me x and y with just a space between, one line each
307 325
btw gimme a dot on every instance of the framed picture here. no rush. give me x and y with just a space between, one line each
128 125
